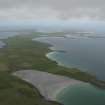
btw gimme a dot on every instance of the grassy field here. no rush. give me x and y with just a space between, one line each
16 92
20 53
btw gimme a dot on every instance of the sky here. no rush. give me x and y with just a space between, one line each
52 10
59 14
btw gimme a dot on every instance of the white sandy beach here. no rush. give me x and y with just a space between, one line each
49 85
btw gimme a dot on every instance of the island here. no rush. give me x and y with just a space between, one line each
22 53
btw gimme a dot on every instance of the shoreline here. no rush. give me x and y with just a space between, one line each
53 84
38 61
48 55
62 89
93 79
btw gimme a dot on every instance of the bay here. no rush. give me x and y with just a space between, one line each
82 94
87 54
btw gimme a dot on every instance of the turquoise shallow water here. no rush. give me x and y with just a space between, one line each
82 94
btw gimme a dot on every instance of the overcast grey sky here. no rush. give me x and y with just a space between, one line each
52 9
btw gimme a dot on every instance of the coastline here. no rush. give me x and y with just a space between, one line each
38 61
62 89
48 55
53 84
89 78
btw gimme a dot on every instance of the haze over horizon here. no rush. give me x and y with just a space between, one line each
53 13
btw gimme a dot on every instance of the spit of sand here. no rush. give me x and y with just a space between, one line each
49 85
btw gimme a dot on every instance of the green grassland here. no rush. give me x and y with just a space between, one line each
13 91
20 53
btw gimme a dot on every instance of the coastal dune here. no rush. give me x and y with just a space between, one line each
49 85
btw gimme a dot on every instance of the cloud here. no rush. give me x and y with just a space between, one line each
52 9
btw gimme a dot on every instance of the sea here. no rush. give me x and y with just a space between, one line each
85 52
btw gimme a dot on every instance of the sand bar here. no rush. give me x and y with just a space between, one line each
49 85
